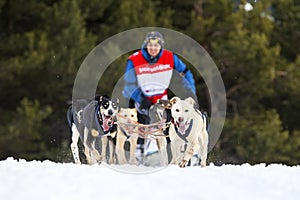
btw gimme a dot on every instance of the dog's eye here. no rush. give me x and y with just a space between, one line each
177 110
186 110
125 115
132 115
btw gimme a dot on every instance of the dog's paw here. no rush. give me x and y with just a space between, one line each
99 162
111 161
183 163
133 162
77 162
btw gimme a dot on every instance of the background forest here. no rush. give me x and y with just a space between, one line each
257 51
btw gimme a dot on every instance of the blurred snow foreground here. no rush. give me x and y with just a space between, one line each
21 179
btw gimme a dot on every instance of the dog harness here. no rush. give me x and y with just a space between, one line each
153 79
125 133
187 132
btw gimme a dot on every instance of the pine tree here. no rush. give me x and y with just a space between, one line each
42 49
21 136
240 42
287 27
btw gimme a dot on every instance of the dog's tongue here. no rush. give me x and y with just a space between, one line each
181 127
107 121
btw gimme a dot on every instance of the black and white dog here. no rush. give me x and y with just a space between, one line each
99 121
90 120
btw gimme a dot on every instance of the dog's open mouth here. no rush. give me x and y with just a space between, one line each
181 125
107 122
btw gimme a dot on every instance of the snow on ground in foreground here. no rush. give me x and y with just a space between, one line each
36 180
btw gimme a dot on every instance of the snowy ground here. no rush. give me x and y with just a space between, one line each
47 180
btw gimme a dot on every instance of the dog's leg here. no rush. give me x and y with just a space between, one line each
176 145
133 143
111 147
120 148
87 154
203 147
87 151
74 144
162 146
195 157
104 141
188 154
95 152
174 151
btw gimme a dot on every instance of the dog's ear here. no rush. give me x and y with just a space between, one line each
191 101
102 97
118 104
174 100
168 105
164 104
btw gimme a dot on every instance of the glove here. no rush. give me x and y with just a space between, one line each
145 104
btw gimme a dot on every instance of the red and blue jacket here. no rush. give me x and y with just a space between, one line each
147 77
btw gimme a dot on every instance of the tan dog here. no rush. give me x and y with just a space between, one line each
190 128
127 121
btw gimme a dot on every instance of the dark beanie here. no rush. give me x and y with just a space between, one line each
153 35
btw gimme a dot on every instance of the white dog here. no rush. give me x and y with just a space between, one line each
127 122
190 128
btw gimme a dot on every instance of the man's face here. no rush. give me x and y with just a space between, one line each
153 48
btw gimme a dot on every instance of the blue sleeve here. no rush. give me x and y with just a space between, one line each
131 90
188 80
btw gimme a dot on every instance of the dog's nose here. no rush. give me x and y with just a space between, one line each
180 119
110 112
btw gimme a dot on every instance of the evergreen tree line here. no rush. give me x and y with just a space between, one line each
43 44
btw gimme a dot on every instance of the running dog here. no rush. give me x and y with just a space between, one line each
99 121
190 128
127 124
159 117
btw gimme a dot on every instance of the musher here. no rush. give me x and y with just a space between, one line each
148 75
